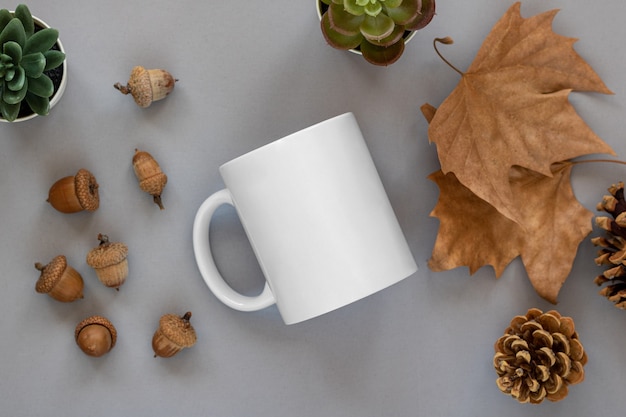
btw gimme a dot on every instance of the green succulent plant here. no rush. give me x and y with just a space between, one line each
377 28
25 56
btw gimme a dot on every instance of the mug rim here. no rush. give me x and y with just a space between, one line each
288 138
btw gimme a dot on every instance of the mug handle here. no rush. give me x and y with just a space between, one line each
206 263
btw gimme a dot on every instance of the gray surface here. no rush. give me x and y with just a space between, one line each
248 75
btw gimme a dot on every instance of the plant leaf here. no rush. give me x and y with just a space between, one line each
395 36
344 23
423 18
377 28
9 111
10 73
13 50
13 31
40 105
15 97
18 81
382 55
41 41
473 233
373 9
41 86
352 6
395 3
23 13
336 39
34 64
406 12
5 59
5 18
511 108
53 58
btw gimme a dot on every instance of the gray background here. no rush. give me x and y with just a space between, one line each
250 73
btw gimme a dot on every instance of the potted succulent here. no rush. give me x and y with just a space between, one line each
378 29
32 65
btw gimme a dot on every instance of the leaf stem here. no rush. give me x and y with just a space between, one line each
584 161
446 41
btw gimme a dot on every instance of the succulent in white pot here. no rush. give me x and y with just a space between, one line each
33 69
378 29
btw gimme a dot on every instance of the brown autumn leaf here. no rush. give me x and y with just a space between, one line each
473 233
511 108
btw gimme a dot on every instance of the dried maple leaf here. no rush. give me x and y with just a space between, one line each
554 225
511 108
473 233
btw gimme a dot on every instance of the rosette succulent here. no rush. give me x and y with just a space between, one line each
377 28
25 55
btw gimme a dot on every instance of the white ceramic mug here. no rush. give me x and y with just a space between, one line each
318 219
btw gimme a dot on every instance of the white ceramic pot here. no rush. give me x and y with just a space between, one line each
56 96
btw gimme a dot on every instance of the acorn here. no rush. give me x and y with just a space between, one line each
109 259
173 335
147 86
59 280
75 193
151 179
95 335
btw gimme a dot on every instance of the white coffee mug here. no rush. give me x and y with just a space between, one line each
318 220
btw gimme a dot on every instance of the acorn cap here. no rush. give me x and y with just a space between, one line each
87 190
178 329
97 320
140 87
51 274
154 185
107 254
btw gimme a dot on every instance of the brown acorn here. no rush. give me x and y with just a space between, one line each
95 335
75 193
147 86
173 335
109 259
151 179
59 280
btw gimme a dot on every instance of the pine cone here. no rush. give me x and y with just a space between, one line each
538 357
613 246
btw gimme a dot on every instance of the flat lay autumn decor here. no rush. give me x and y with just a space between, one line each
506 138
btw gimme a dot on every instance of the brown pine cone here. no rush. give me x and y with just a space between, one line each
612 251
538 357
